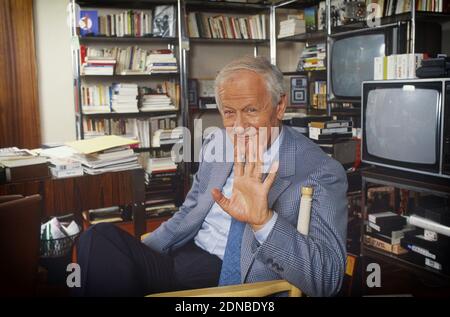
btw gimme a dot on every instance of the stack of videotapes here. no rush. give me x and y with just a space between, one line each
428 248
429 244
385 231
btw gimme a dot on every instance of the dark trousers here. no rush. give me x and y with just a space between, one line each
114 263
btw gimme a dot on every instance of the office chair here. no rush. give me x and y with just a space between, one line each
19 240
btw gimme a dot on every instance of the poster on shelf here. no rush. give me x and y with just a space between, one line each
164 21
88 22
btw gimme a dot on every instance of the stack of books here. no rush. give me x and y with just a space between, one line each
21 164
161 165
98 65
156 102
160 209
300 122
313 58
161 61
161 187
428 249
109 153
291 27
170 136
124 98
385 231
109 214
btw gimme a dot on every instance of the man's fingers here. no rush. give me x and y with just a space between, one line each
249 169
220 199
272 174
239 158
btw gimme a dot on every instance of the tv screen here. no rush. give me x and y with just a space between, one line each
352 62
401 124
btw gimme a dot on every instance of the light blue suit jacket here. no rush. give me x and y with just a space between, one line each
314 263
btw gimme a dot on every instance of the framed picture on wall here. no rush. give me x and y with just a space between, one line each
299 91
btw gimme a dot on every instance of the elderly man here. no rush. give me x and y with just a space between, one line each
238 223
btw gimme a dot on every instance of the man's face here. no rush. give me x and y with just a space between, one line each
247 106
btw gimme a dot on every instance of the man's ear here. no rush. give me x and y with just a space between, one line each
281 107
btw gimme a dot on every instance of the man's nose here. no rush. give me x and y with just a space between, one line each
240 124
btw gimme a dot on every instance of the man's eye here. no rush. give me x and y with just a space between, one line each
227 112
251 110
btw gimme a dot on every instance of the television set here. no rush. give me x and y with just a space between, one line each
351 54
406 125
351 62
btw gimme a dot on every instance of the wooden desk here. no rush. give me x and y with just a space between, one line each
76 194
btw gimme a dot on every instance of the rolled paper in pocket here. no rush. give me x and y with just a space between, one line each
304 213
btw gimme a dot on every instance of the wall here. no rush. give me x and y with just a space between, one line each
54 63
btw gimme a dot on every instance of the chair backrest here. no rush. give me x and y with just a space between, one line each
19 245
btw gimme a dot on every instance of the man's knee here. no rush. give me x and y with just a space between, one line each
100 229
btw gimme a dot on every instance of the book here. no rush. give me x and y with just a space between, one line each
391 248
26 173
321 16
88 22
164 21
310 19
100 144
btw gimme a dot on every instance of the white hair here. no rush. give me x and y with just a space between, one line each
260 65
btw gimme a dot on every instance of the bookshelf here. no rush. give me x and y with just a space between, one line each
127 28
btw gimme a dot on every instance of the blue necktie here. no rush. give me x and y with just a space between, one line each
231 264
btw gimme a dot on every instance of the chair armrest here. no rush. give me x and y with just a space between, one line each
6 198
258 289
145 235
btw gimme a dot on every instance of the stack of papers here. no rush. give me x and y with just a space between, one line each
54 229
109 153
291 27
15 157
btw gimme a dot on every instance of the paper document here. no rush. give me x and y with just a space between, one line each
99 144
